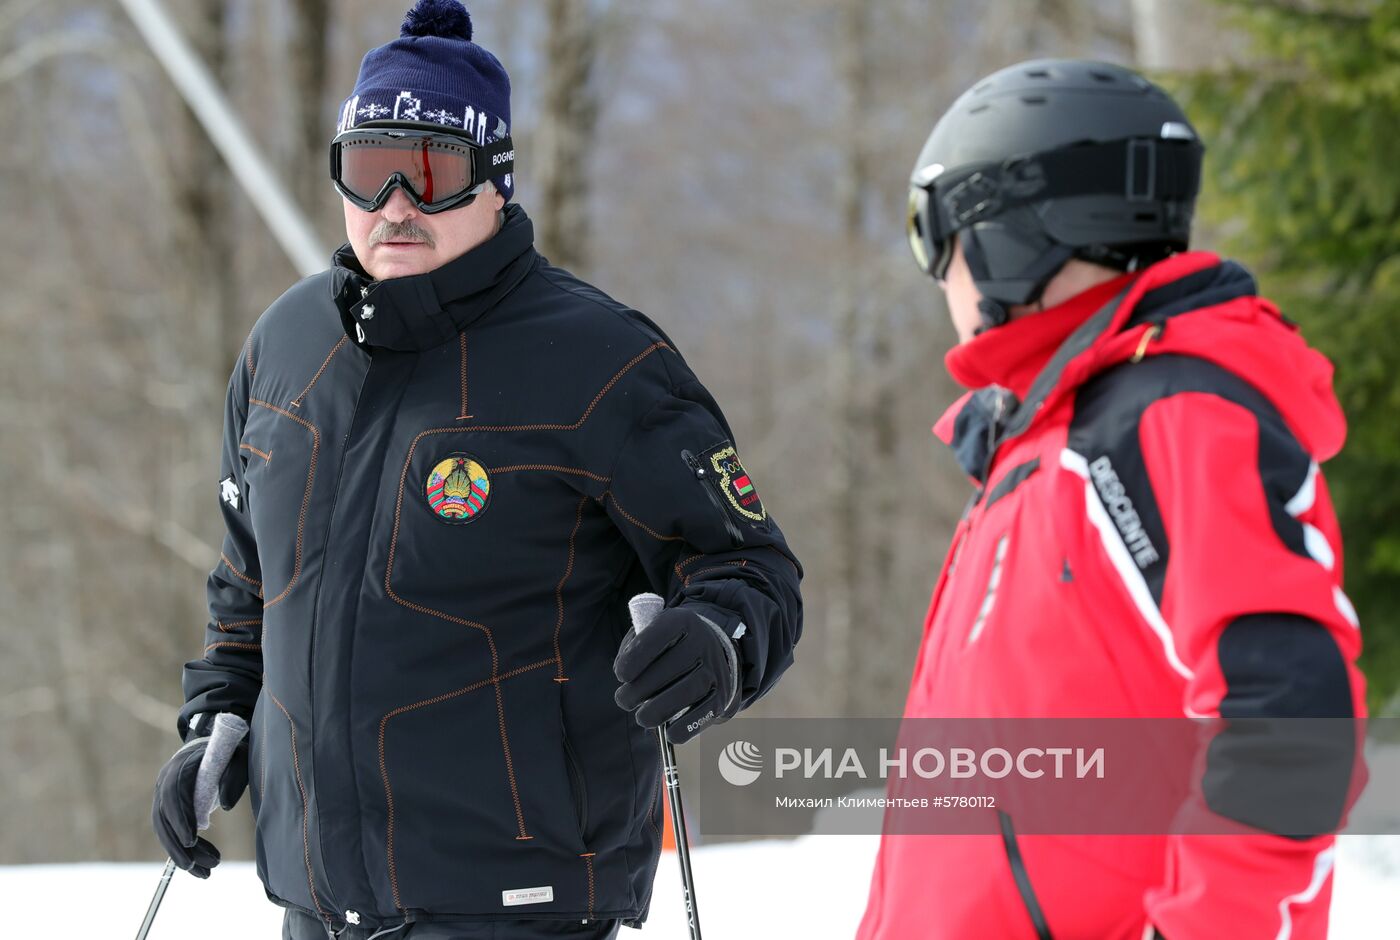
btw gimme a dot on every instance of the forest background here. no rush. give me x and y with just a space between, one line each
735 169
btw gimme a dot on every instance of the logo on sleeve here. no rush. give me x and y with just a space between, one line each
733 481
457 489
228 492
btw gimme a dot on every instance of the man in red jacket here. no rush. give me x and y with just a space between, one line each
1151 535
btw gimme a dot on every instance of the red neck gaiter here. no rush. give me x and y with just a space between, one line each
1013 354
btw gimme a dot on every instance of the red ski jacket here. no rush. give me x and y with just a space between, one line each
1151 538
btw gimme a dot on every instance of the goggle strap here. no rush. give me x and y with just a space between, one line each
1144 170
492 160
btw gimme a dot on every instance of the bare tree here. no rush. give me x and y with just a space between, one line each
203 200
309 48
848 407
736 170
568 116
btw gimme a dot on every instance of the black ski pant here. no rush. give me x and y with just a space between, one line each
298 925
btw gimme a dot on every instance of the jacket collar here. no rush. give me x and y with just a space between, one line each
412 314
1011 356
1015 370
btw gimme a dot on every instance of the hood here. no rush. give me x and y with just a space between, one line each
1191 304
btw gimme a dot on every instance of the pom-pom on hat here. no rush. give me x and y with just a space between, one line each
434 74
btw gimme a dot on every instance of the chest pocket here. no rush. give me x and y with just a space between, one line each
280 454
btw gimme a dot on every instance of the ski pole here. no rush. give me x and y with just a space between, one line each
644 608
229 729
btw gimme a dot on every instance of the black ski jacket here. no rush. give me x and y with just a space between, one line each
440 492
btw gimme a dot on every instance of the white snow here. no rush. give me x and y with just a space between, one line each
813 887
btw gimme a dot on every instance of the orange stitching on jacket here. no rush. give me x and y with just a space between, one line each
384 770
305 500
262 759
559 589
739 563
490 639
782 556
682 563
393 545
587 412
264 456
696 574
641 525
462 337
226 627
296 402
305 838
241 646
479 684
510 767
544 466
651 819
231 567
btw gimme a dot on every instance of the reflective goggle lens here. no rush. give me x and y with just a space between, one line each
436 168
915 225
926 240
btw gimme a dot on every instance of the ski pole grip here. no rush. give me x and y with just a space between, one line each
644 608
229 729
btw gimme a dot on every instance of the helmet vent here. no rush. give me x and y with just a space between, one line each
1037 73
985 86
1102 76
979 109
1033 99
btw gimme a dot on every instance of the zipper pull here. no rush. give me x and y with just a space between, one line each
695 466
1150 334
993 433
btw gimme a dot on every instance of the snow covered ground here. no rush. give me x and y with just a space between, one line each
813 887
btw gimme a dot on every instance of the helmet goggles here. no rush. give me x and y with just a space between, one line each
1139 171
437 171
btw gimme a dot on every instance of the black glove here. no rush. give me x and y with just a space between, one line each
682 666
172 810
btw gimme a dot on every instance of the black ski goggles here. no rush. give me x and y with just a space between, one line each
437 171
930 238
941 203
1138 171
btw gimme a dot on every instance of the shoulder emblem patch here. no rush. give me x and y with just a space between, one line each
733 481
457 489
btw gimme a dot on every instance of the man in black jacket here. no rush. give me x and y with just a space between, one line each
447 466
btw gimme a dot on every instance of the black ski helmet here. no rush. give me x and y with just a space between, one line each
1049 160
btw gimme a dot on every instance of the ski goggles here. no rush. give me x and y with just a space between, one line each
437 171
936 214
1139 174
929 239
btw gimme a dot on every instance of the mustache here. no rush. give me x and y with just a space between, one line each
405 231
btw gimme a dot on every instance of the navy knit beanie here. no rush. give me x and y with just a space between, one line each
434 74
